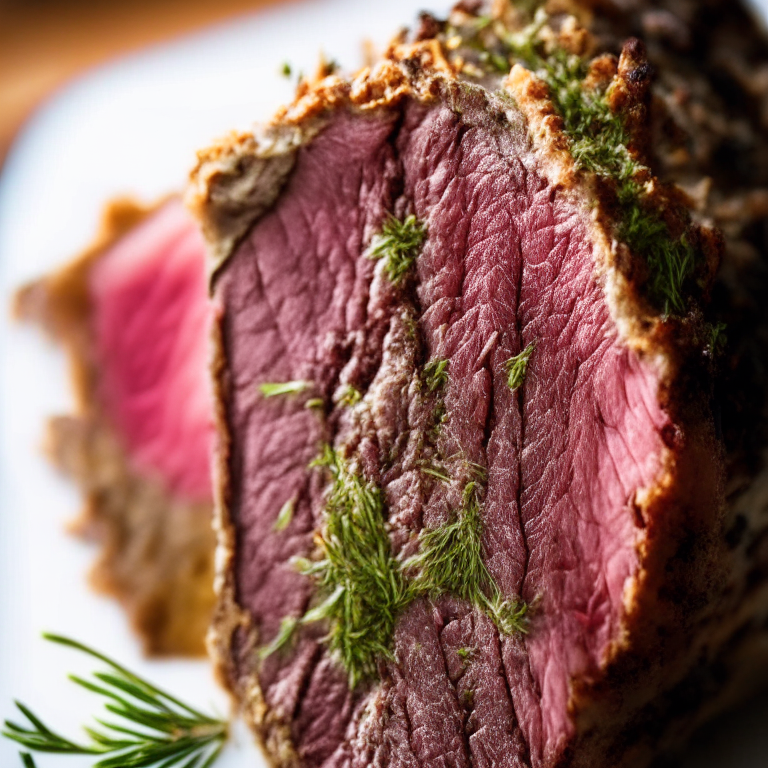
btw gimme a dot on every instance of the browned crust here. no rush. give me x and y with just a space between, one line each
156 553
681 553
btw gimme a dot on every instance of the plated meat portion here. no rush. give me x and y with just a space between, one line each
469 491
133 316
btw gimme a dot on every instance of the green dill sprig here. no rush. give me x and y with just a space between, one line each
27 759
270 389
362 588
398 243
284 516
436 374
154 728
517 367
600 144
450 561
360 585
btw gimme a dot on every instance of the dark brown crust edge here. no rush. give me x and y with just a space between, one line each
677 503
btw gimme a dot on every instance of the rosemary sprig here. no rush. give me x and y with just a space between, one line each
398 244
154 729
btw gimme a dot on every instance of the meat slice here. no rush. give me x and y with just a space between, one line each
437 302
132 314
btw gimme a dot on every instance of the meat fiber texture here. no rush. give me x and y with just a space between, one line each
133 315
608 501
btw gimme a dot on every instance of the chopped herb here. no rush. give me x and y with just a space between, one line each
284 388
717 338
362 588
398 244
439 473
599 143
286 70
350 396
450 560
465 653
517 368
284 516
361 585
436 374
315 403
156 729
510 616
288 627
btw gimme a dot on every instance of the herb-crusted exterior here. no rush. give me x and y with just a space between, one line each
531 369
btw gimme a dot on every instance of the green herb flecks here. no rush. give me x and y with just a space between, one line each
362 588
717 339
284 516
359 582
350 396
436 374
465 653
437 472
600 144
285 633
285 69
450 560
153 728
517 368
398 243
284 388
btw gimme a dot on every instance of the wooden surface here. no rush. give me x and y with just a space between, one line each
44 43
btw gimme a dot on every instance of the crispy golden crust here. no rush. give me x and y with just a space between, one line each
156 551
675 601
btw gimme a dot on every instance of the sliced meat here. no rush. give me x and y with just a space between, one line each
518 367
133 315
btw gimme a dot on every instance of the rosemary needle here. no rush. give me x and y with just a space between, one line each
153 728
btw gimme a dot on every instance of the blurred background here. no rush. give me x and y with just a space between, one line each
135 128
43 43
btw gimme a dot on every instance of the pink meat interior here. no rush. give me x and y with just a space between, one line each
150 318
507 262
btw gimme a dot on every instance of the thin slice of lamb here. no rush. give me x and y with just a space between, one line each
602 475
132 315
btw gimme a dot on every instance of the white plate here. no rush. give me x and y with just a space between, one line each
133 128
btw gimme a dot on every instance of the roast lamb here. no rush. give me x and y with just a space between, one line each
489 486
